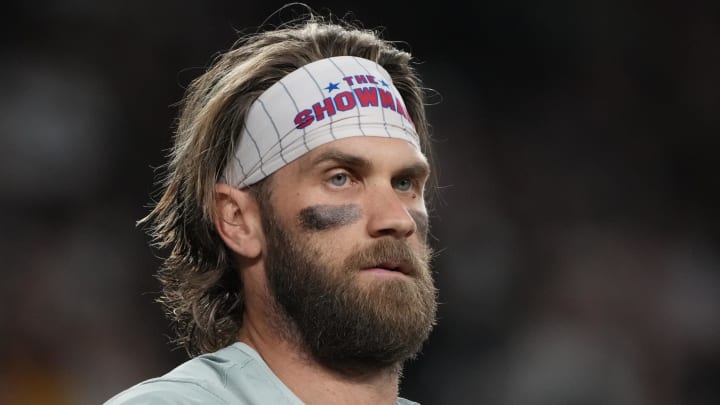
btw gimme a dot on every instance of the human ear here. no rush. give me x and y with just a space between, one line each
237 219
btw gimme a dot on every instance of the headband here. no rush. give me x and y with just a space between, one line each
320 102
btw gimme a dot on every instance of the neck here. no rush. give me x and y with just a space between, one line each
313 383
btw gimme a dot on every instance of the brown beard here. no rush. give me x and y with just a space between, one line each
346 326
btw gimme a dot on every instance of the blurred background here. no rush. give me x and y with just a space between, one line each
577 146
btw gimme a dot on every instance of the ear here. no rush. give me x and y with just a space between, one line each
237 220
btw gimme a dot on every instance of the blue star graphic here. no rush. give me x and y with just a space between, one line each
384 83
332 86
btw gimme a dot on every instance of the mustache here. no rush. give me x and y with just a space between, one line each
392 251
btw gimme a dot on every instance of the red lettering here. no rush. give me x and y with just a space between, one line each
347 100
348 80
367 96
360 79
303 119
371 79
326 107
387 99
344 101
401 110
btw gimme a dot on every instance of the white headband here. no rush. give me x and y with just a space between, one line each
320 102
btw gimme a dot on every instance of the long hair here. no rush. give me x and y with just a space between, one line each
202 291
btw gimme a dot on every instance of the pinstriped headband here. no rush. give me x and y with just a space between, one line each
320 102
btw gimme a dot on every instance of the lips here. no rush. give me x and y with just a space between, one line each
393 266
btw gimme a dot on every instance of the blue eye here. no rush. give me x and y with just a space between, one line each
339 179
403 184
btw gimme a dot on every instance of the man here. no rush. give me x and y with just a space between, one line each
293 211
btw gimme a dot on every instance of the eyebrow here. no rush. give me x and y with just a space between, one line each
340 157
418 169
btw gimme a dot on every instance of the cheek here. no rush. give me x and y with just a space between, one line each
421 223
324 217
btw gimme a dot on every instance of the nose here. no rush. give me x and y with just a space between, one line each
388 215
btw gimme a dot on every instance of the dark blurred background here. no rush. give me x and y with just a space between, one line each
577 145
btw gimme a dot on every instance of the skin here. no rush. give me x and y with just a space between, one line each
347 193
322 217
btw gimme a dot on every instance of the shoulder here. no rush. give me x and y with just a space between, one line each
164 391
201 380
233 375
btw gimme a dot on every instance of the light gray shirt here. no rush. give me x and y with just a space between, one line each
234 375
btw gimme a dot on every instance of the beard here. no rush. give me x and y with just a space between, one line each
346 325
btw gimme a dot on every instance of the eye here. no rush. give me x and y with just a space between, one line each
403 184
339 179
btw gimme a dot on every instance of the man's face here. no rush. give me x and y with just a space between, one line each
347 258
